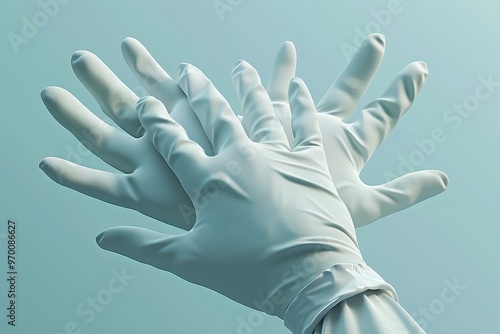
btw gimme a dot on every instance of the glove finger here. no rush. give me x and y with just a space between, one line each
260 121
409 190
106 142
151 75
105 186
115 98
160 85
146 246
344 95
380 117
304 119
169 138
220 124
283 71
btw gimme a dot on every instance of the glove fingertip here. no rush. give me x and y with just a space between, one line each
128 41
50 94
436 181
288 49
79 56
378 38
54 169
113 239
239 68
424 67
444 179
99 239
130 48
43 164
295 84
183 70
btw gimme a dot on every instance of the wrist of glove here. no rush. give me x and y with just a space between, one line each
316 299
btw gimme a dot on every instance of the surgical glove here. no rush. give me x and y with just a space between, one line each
349 145
271 231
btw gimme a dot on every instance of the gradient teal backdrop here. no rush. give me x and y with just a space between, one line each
449 239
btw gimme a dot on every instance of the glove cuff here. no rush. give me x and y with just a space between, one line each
340 282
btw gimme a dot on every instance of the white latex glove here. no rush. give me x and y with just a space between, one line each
349 146
271 231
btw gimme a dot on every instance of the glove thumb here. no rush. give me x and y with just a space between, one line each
409 190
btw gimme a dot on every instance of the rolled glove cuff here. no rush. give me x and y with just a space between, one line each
334 285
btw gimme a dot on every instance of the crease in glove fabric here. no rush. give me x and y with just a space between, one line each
334 285
370 312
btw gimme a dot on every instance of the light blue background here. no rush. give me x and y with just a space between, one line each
452 236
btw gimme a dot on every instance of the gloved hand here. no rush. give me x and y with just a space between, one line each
349 146
271 231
